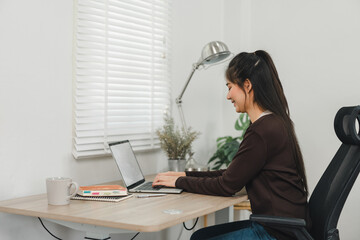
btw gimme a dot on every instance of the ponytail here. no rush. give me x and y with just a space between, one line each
275 78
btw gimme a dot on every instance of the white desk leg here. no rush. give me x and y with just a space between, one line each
225 215
231 213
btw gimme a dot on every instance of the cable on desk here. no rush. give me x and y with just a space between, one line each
134 236
48 230
97 238
189 229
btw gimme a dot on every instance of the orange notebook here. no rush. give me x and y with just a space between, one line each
102 190
103 187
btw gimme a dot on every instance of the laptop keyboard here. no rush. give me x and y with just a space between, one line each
147 186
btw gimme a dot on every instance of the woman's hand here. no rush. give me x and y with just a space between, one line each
167 179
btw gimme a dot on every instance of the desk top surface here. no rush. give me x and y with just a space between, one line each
137 214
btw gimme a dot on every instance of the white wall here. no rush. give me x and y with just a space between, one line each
195 23
315 46
36 111
313 43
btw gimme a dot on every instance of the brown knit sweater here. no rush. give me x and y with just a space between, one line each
265 165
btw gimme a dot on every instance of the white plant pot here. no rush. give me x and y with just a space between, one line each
177 165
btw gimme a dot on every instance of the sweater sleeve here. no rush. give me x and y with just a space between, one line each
247 163
205 173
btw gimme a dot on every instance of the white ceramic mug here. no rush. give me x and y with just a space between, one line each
58 190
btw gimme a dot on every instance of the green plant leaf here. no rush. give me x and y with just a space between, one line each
228 146
212 158
242 123
237 125
231 156
217 166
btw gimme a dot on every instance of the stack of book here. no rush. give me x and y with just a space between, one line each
107 193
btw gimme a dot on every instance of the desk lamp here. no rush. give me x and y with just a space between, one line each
213 52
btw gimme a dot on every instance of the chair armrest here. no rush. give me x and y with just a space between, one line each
279 221
296 226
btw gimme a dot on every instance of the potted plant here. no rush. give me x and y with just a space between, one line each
228 146
176 143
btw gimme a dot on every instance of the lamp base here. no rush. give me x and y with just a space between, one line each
193 166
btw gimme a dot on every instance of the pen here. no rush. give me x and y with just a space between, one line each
150 195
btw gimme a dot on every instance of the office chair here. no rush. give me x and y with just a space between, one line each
329 195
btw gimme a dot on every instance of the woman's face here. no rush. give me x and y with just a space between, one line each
237 96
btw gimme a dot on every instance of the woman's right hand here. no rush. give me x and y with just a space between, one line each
167 178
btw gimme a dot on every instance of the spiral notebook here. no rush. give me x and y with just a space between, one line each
101 198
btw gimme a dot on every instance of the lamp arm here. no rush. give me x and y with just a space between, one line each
179 98
182 117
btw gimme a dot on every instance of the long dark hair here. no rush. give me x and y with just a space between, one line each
259 68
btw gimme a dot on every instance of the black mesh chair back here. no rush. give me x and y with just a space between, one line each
331 192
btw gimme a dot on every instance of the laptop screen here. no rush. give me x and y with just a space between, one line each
127 163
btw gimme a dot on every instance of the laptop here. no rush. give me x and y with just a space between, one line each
130 170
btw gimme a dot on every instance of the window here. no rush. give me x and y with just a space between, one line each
121 73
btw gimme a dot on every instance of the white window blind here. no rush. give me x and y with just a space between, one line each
121 73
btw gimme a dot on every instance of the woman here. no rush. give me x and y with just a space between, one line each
269 162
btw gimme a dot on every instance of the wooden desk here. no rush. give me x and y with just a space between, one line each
135 214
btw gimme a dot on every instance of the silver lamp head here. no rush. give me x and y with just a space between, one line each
214 52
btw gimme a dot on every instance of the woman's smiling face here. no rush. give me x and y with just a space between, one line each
237 96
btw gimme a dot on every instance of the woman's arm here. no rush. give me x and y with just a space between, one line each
211 174
246 164
169 178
